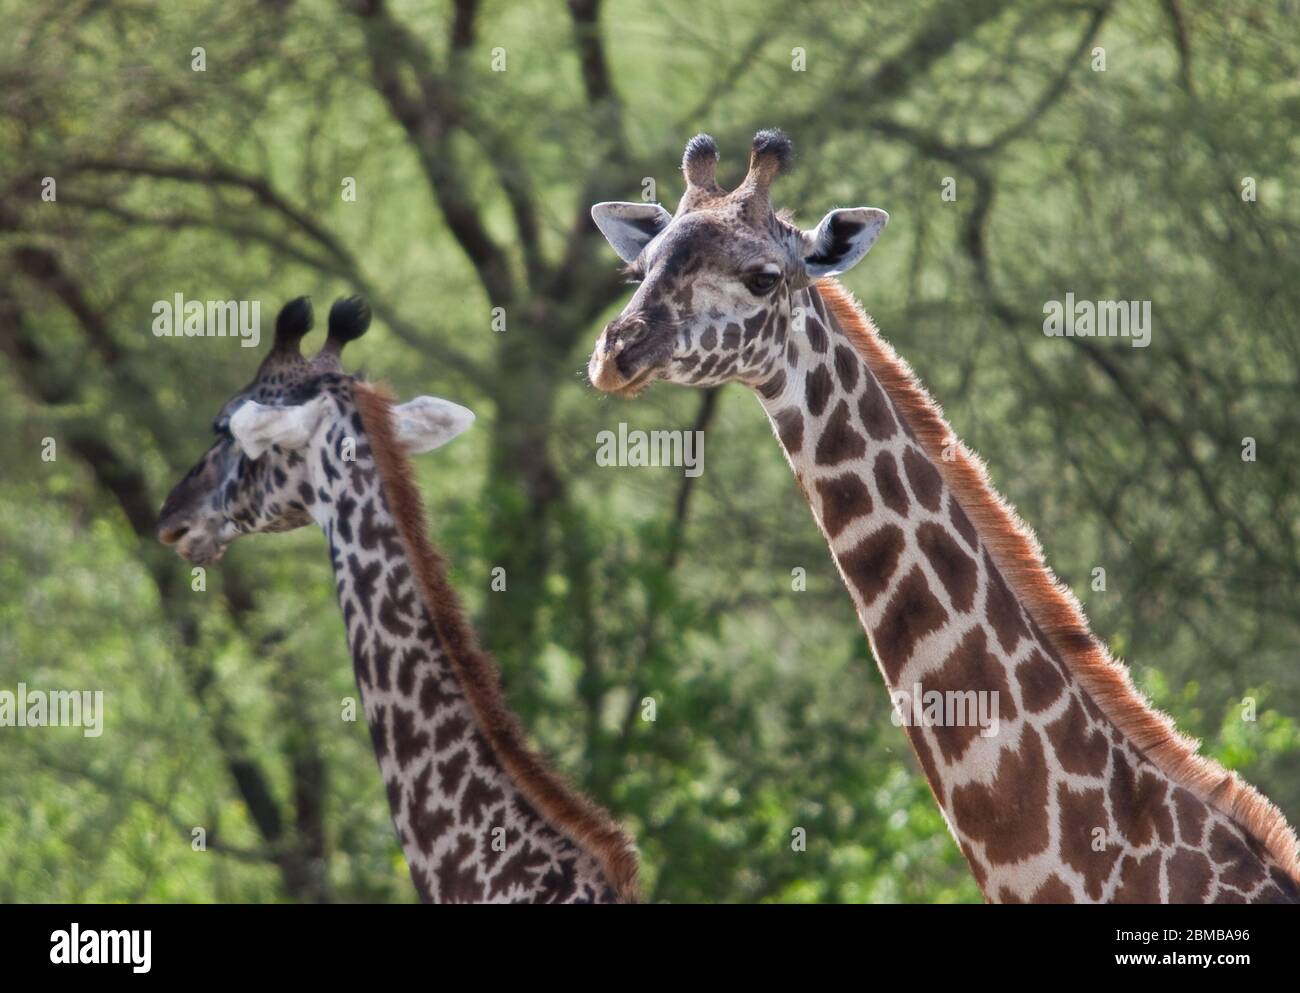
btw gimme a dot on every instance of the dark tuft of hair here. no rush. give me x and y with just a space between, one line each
349 318
294 320
701 146
774 141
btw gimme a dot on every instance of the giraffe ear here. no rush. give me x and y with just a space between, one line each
843 237
426 423
629 227
257 426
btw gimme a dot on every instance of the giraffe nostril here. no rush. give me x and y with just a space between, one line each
169 536
621 333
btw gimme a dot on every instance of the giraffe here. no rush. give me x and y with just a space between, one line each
1081 792
480 817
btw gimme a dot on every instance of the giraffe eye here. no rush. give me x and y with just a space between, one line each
762 282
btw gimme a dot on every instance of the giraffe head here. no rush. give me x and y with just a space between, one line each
275 440
716 278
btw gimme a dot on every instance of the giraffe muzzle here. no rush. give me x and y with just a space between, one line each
200 548
192 540
629 354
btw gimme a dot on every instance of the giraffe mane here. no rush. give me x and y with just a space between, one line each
1051 605
556 800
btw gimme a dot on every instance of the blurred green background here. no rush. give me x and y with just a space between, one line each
472 189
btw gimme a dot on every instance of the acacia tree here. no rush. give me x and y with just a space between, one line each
493 131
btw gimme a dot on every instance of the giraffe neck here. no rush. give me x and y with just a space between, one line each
480 818
1048 799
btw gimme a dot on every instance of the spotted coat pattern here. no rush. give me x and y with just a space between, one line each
1057 805
468 831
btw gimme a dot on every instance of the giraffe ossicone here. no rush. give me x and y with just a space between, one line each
1083 792
480 816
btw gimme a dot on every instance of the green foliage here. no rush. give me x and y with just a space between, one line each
625 585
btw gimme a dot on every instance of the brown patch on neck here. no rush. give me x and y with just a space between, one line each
562 806
1050 603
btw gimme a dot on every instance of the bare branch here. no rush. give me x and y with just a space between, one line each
591 52
429 118
950 24
1182 42
222 176
462 24
336 260
1056 89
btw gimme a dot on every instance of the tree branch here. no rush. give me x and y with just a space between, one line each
131 491
337 260
429 119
